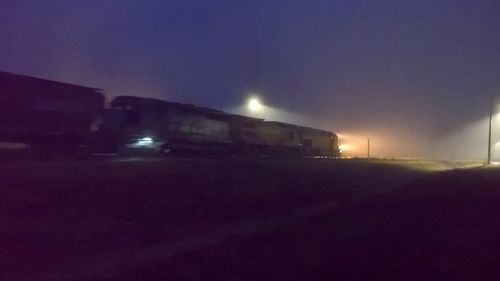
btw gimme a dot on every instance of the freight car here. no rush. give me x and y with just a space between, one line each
52 117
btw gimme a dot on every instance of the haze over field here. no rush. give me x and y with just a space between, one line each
413 76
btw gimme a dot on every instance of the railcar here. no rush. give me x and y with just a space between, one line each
51 117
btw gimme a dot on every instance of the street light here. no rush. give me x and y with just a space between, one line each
493 113
489 130
254 104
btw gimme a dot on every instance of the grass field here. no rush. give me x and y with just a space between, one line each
249 219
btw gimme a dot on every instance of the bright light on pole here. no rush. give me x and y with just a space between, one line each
492 100
254 104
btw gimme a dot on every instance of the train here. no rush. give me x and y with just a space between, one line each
60 118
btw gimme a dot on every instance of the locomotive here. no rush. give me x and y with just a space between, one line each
163 126
56 116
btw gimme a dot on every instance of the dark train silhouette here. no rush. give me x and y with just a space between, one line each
54 118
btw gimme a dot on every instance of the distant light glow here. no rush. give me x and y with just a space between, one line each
13 145
145 141
352 145
254 104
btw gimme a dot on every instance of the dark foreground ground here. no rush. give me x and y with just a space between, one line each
248 219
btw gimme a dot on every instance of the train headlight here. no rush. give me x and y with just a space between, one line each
342 148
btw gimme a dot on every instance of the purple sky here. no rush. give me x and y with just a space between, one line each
408 74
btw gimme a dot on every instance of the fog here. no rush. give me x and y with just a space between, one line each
415 77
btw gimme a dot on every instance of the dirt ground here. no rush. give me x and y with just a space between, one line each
249 219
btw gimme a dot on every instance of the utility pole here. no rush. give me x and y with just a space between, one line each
489 131
368 148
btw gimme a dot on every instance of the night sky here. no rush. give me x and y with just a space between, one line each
414 76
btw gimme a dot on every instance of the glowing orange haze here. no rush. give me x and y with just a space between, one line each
388 144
